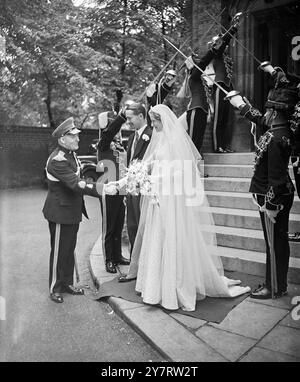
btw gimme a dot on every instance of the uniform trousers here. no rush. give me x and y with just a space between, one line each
281 243
133 217
296 170
221 136
197 121
113 214
63 239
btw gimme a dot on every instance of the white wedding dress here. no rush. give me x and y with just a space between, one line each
176 240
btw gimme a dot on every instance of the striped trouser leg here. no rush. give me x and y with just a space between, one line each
63 242
55 233
216 119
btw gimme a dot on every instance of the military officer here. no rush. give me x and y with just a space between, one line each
222 67
64 207
112 157
271 184
199 90
295 157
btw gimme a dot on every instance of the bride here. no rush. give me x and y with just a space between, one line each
175 247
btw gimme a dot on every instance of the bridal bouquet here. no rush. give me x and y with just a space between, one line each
138 179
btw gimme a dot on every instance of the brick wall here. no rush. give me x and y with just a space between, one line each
24 151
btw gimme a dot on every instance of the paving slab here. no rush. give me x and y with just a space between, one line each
188 321
231 346
264 355
290 321
170 337
121 304
282 339
251 320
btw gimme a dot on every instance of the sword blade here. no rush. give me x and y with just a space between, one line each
235 39
202 71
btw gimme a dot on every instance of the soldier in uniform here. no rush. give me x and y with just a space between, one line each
112 156
200 92
64 207
222 67
271 184
295 157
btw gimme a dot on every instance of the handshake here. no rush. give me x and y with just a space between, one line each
111 188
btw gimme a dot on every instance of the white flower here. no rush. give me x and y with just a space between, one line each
145 137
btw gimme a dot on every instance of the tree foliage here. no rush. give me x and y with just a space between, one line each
64 60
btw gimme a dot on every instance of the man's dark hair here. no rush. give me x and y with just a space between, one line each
137 108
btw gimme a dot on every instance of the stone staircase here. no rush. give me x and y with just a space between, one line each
239 235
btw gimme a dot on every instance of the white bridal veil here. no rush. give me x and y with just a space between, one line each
178 223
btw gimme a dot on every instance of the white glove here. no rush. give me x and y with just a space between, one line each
82 184
266 67
237 101
270 213
189 63
151 89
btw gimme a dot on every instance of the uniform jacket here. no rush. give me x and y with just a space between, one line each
196 85
64 203
274 146
114 127
195 80
162 90
222 63
112 155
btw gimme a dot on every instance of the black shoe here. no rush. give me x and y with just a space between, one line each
261 293
281 293
56 297
228 150
110 267
264 293
123 261
125 279
220 150
73 290
294 236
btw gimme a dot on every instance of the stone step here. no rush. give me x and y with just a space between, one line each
227 184
239 218
216 183
253 263
234 158
233 170
248 239
241 200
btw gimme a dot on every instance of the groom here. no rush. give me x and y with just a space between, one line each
138 142
136 116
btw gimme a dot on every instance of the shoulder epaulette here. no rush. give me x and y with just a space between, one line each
60 156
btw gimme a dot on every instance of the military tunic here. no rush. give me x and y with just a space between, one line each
63 209
273 188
